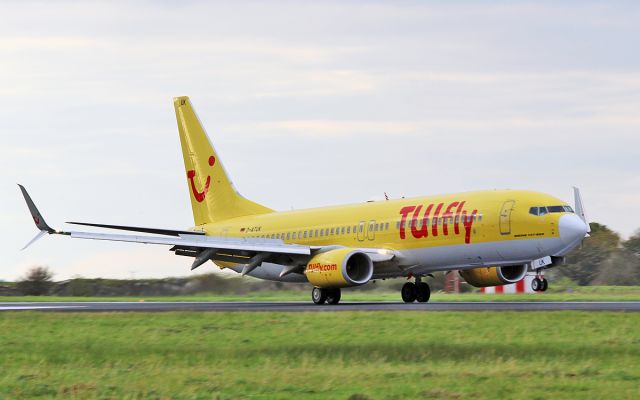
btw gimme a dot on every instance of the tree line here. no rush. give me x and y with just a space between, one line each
604 259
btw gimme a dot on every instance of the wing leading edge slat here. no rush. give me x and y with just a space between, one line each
254 245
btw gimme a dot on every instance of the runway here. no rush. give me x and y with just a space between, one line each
298 306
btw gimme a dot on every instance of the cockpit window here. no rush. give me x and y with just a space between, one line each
538 210
549 209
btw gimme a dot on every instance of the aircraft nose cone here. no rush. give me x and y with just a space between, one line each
572 229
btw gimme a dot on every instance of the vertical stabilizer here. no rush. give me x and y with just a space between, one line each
213 197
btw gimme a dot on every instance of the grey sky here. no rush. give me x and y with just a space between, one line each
309 104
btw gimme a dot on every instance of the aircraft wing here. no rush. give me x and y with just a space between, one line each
247 251
250 252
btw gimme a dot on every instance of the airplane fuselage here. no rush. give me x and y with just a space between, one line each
428 234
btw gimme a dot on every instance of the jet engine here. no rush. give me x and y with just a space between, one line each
492 276
339 268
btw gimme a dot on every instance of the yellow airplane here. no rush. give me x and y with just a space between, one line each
492 237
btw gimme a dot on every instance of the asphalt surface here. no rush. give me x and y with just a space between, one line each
308 306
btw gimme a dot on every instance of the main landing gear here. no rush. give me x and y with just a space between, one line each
419 291
539 283
330 296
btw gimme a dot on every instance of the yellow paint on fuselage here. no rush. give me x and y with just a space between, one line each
488 225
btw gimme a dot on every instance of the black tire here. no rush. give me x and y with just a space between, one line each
423 292
545 285
333 296
536 284
318 295
409 292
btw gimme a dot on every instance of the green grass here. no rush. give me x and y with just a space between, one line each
579 293
347 355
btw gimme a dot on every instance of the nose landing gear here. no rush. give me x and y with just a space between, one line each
419 291
539 283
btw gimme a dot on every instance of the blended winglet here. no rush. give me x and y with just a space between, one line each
37 218
35 214
579 207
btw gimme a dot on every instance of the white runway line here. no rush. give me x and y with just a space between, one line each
8 308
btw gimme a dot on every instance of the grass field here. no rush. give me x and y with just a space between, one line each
580 293
348 355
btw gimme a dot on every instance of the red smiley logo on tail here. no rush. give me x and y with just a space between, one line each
197 194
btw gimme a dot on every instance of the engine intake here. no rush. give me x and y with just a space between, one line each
339 268
492 276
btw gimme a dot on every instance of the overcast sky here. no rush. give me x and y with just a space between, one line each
308 104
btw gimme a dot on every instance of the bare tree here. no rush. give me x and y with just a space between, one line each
36 282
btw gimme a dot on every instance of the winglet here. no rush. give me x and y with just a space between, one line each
35 214
579 207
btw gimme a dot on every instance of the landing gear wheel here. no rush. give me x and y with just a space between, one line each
319 296
545 285
536 284
409 292
423 292
333 296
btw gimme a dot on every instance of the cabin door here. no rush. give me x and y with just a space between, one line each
505 217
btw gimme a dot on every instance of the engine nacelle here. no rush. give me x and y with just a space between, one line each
339 268
493 276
